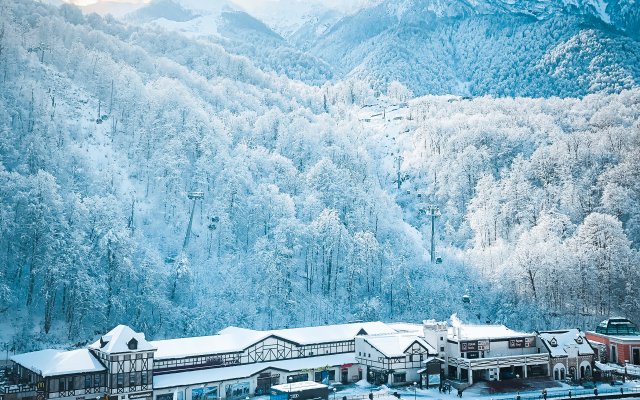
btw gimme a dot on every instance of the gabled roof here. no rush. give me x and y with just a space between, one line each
396 345
234 339
59 362
117 341
332 333
206 345
560 342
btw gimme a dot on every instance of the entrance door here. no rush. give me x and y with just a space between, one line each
265 381
344 374
614 354
636 356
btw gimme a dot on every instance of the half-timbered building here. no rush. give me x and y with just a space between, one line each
392 358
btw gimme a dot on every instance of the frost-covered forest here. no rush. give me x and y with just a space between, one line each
313 194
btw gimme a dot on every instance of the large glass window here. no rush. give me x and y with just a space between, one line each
120 381
321 376
61 385
88 379
400 377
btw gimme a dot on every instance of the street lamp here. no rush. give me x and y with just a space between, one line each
334 393
415 389
290 380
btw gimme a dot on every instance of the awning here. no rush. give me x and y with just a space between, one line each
603 367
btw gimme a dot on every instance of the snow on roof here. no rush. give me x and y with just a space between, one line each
205 345
407 327
332 333
245 371
59 362
235 339
395 345
299 386
474 332
117 341
603 367
565 340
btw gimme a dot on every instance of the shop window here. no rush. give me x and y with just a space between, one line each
400 377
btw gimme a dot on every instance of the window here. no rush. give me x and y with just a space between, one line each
360 353
88 380
442 348
133 344
132 379
120 381
144 379
400 377
319 376
70 384
298 378
369 355
441 338
61 385
411 357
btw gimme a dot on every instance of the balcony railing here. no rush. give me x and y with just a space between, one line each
7 389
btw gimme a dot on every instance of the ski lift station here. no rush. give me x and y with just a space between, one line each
293 363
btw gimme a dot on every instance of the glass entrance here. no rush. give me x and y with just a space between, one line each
636 356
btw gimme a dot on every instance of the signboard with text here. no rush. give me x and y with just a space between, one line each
521 343
474 345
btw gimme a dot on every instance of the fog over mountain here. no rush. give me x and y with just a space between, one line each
186 165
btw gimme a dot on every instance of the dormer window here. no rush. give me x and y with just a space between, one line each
553 342
579 340
103 342
132 344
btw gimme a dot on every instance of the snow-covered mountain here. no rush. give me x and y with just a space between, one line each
229 25
524 48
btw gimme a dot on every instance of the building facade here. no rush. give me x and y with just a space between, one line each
493 352
238 362
621 340
570 354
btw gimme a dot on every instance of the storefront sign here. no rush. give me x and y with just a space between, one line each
474 345
521 343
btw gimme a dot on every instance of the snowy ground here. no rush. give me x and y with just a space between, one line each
360 391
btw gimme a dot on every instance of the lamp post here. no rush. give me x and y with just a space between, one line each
334 393
415 389
290 380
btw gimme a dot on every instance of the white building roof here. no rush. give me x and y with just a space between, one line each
566 340
204 345
117 341
299 386
59 362
245 371
407 327
234 339
320 334
476 332
395 345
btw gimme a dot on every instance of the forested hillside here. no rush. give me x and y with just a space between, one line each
496 48
312 195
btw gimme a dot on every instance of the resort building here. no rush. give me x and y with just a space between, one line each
570 354
620 339
493 352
